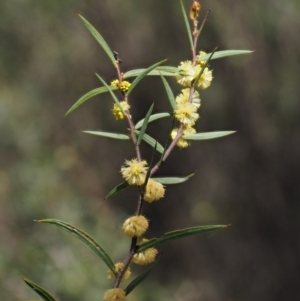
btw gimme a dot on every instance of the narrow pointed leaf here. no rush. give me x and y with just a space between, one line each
84 237
107 134
209 135
152 142
134 283
39 290
173 180
145 124
203 23
116 190
99 39
110 90
160 70
152 118
87 96
179 234
150 168
224 53
142 75
169 93
187 25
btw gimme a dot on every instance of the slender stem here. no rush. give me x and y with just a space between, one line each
168 151
126 262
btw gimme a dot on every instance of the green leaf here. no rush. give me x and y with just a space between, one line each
173 180
224 53
39 290
107 134
84 237
152 142
145 124
87 96
169 93
209 135
179 234
152 118
142 75
99 39
187 25
116 190
161 70
134 283
110 90
202 24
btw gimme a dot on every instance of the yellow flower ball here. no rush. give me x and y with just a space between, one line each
205 79
187 72
117 111
201 63
154 191
114 294
125 85
135 226
186 114
134 172
115 83
183 97
145 257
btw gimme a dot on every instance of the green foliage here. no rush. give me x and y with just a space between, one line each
173 180
85 238
108 135
151 118
134 283
152 142
39 290
145 124
142 75
179 234
87 96
207 136
116 190
99 39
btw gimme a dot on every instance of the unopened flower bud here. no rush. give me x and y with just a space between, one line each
195 9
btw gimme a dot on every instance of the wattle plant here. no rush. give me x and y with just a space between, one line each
192 76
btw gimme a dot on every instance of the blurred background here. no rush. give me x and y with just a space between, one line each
49 169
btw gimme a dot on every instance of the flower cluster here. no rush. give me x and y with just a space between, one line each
154 191
134 172
188 73
123 86
114 294
135 226
145 257
117 112
188 101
